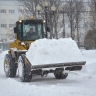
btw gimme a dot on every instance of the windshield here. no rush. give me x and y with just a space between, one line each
30 30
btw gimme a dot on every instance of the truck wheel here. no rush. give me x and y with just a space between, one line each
61 75
10 67
24 69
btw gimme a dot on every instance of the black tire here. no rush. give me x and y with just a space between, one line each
10 67
60 75
24 69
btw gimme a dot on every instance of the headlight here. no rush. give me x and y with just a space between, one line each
44 21
22 43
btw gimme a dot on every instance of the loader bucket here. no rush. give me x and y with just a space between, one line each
68 65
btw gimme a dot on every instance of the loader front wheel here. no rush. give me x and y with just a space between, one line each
10 67
24 69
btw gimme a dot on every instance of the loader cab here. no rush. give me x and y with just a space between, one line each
24 26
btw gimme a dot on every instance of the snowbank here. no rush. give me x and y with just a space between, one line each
77 84
90 57
48 51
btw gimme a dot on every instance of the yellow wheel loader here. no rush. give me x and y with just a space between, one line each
16 57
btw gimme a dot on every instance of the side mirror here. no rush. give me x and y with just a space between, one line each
48 29
15 29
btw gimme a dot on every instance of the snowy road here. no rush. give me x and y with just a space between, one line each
79 83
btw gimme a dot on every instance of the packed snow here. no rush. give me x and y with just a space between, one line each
78 83
48 51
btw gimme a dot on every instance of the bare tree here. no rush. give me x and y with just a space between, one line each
74 10
52 17
71 15
92 5
79 10
91 39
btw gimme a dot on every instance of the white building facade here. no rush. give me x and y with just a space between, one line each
8 16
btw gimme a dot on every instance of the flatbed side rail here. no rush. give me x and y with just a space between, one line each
59 65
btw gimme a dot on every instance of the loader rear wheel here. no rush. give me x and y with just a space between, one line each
61 75
10 67
24 69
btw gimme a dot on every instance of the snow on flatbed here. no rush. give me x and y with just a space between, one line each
50 51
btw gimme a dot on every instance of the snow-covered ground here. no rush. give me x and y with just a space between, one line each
78 83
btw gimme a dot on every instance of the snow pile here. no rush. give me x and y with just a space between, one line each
91 68
90 57
48 51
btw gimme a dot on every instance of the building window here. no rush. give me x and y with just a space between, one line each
11 11
11 25
3 25
3 11
21 11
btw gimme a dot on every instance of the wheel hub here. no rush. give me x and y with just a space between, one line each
20 67
6 66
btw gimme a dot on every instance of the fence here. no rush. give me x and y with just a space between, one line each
4 46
